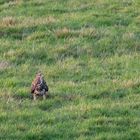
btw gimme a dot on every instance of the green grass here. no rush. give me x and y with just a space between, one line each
89 53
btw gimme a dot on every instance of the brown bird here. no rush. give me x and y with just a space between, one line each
39 87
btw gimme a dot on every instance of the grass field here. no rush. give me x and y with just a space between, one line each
89 53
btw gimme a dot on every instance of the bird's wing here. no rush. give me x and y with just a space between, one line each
45 85
35 82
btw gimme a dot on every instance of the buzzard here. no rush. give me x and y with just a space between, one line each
39 87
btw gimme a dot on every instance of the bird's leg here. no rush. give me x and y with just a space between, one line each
44 94
34 97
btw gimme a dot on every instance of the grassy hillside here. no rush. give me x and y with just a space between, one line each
89 53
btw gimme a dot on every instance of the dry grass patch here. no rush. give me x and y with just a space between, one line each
10 53
26 22
128 35
83 32
62 32
36 35
4 65
14 2
131 83
8 21
29 21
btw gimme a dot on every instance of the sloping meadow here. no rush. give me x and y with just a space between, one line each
89 53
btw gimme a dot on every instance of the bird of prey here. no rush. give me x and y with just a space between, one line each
39 86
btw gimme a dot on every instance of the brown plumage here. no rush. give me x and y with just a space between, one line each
39 86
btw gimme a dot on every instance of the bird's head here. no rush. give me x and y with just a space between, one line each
39 73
